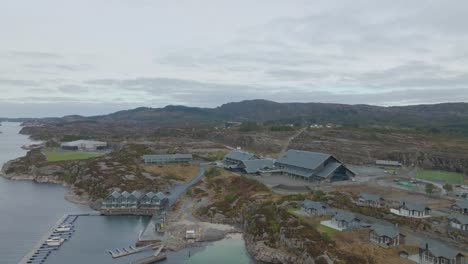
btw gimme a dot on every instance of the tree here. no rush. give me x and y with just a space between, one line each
429 188
447 187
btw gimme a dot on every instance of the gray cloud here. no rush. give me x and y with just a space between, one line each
32 55
72 89
11 82
58 66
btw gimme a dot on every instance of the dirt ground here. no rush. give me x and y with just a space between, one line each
358 242
181 172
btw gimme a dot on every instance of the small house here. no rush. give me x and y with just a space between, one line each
313 208
372 200
235 157
413 210
461 206
431 252
133 201
344 220
386 236
458 221
111 200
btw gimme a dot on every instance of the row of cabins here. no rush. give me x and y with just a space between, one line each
430 252
304 165
167 158
135 199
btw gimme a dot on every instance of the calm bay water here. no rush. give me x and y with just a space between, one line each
28 210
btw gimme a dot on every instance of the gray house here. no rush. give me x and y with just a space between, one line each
433 252
111 200
256 166
368 199
458 221
386 236
413 210
314 208
235 157
153 200
313 166
345 220
461 206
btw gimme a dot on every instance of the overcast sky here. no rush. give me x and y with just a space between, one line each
89 57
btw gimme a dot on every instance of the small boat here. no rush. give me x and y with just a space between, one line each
63 229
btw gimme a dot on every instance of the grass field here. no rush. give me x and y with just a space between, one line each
69 155
440 176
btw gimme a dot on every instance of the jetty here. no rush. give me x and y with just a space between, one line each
60 232
152 259
117 253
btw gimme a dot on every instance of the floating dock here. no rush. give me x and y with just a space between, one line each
53 239
118 253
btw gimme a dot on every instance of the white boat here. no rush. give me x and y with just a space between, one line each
54 243
63 229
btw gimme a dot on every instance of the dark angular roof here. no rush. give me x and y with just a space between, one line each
303 159
386 230
344 216
302 173
370 197
252 166
413 206
150 195
462 219
329 169
239 155
439 250
462 203
313 205
126 194
161 195
137 194
115 194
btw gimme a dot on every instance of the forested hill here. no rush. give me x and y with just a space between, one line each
446 117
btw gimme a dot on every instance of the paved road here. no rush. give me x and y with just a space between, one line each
177 190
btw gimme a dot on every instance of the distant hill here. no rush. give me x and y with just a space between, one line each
446 117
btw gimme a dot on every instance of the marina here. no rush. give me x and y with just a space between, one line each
52 240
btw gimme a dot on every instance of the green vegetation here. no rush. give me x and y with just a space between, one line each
212 172
440 176
447 187
63 156
429 188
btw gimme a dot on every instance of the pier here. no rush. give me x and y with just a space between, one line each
128 251
53 239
